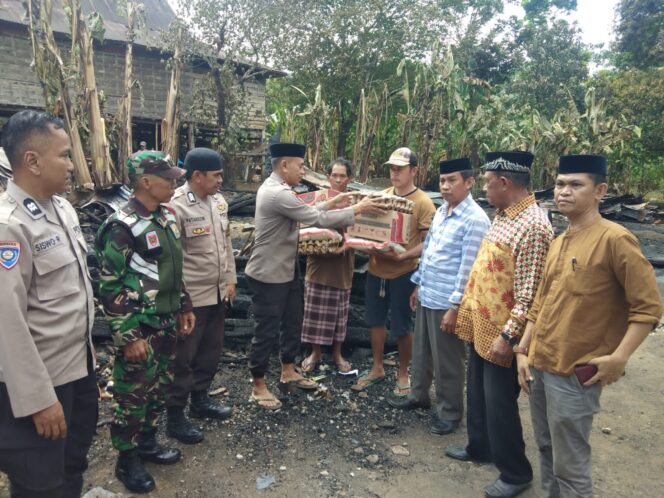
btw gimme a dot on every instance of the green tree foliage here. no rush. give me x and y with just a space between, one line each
640 33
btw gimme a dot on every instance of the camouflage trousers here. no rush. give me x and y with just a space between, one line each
140 388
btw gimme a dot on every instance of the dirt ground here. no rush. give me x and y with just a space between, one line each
320 447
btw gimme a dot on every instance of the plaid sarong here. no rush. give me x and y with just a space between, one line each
325 314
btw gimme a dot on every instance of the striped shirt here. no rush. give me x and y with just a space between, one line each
449 253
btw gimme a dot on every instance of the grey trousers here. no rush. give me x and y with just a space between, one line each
441 355
562 411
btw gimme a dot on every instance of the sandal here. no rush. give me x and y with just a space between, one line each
301 383
344 366
364 382
308 366
401 391
266 398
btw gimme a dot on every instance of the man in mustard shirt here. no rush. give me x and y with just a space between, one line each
597 302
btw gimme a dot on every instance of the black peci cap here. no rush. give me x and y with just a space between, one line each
203 159
287 150
583 163
454 165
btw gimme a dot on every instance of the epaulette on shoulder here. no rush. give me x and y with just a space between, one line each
127 215
6 208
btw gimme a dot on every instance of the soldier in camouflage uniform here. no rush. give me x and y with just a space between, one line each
144 299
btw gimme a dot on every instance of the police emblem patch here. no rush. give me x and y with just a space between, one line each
200 230
10 251
152 240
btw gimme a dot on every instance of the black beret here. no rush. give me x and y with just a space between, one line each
287 150
454 165
583 163
514 161
203 159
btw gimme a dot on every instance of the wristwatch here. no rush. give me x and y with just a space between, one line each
512 340
454 307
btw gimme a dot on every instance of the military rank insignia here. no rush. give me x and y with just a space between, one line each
175 230
152 240
10 250
191 197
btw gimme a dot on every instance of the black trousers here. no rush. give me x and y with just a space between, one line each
278 311
494 425
197 355
43 468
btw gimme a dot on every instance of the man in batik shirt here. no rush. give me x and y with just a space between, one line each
492 316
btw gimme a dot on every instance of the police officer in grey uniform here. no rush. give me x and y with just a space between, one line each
48 393
209 273
272 268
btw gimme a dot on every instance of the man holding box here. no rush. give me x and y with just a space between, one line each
272 270
388 280
327 287
597 302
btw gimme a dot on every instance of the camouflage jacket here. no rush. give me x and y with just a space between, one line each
141 270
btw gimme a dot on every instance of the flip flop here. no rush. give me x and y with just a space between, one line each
308 366
401 391
364 382
344 366
259 400
302 383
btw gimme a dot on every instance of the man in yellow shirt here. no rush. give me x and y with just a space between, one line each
388 280
597 302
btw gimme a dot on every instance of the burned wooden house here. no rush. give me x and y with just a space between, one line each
20 87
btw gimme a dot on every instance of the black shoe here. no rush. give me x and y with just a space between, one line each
443 427
151 451
463 455
501 489
179 426
130 471
203 407
405 403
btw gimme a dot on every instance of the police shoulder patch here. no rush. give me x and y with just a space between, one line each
10 251
32 208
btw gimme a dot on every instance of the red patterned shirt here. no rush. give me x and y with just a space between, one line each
503 281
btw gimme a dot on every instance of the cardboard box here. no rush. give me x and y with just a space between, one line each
318 196
390 227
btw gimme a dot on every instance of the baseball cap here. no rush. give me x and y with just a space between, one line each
152 162
402 157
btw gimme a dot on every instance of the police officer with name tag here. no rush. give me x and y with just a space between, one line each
209 273
48 393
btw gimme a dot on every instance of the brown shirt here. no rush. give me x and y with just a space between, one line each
595 282
333 271
423 212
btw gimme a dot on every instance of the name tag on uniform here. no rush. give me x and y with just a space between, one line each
10 251
44 245
152 240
